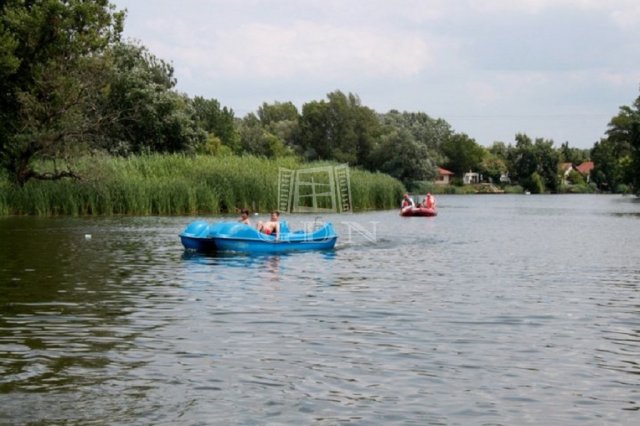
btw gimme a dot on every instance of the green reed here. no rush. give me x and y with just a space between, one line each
176 185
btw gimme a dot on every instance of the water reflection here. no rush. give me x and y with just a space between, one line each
268 262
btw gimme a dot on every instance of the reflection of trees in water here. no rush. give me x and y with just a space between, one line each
68 303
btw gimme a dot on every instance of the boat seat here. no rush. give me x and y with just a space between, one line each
284 227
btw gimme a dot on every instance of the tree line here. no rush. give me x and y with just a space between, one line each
72 87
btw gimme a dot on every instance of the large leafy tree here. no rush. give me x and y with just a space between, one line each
140 111
401 156
339 129
572 155
281 119
493 167
498 161
610 162
427 131
217 121
617 157
277 111
463 154
51 71
255 139
535 164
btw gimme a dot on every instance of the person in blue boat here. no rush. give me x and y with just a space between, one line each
244 217
271 227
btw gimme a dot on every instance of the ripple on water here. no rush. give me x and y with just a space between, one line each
498 311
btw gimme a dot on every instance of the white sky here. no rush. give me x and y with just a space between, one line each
557 69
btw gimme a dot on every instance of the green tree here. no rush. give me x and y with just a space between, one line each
493 167
500 159
430 132
278 111
572 155
611 160
500 150
536 183
401 156
463 154
534 163
576 178
217 121
339 129
282 121
256 140
149 115
617 158
50 74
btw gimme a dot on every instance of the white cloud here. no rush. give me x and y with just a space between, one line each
546 62
627 18
623 13
305 48
532 6
620 79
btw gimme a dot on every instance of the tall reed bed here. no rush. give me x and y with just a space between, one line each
371 191
176 185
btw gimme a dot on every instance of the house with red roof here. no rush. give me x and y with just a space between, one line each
585 170
444 176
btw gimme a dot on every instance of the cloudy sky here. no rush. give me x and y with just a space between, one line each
556 69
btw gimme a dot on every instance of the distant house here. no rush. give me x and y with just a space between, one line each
585 170
444 176
565 170
471 178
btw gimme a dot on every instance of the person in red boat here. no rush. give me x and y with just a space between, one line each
430 201
271 227
407 202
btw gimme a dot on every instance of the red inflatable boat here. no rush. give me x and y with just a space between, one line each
418 211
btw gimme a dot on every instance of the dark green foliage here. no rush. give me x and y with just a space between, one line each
217 121
535 183
410 147
50 73
427 131
255 139
140 111
273 113
535 165
340 129
402 157
493 167
572 155
617 157
463 154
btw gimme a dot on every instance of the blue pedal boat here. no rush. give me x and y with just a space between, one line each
203 236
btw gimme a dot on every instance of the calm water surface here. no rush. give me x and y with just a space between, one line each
501 310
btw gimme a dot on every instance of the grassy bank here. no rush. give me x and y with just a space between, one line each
176 185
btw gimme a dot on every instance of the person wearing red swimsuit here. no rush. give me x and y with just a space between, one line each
272 226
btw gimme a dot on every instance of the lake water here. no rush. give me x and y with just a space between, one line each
503 309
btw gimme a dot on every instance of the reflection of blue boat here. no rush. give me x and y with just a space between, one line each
233 236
